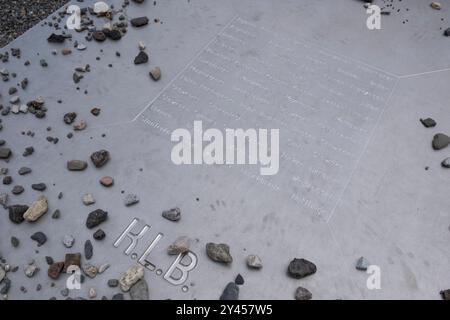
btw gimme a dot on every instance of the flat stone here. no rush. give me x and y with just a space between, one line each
39 237
55 270
180 245
95 218
219 252
16 213
302 294
88 199
68 241
118 296
173 214
49 260
131 199
56 38
440 141
142 57
436 5
254 262
113 283
16 190
231 292
90 270
139 22
5 153
428 122
99 234
37 209
155 73
130 277
362 264
76 165
88 250
72 259
100 158
7 180
24 170
39 186
301 268
107 181
6 286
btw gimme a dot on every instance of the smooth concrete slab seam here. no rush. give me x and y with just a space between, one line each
185 68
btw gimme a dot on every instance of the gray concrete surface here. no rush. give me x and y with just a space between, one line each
379 203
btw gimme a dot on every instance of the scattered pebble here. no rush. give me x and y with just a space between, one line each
39 237
231 292
68 241
131 199
172 214
219 252
302 294
254 262
130 277
139 291
301 268
440 141
180 245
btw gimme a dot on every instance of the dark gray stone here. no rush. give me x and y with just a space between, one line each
302 294
300 268
139 22
95 218
231 292
16 213
39 237
173 214
428 122
440 141
219 252
88 250
139 291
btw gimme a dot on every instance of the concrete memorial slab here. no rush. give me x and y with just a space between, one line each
350 183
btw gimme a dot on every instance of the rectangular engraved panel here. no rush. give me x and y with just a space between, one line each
326 107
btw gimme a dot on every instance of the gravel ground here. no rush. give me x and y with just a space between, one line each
17 16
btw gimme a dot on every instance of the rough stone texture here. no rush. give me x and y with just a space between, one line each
254 262
300 268
131 199
302 294
95 218
68 241
16 213
180 245
219 252
90 270
100 158
130 277
172 214
88 250
139 22
139 291
107 181
36 210
54 270
88 199
446 163
231 292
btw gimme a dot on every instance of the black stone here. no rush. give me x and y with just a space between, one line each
428 122
56 38
15 242
113 283
16 213
39 237
88 250
69 117
5 153
142 57
39 186
113 34
99 36
99 234
300 268
95 218
24 170
239 280
139 22
440 141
